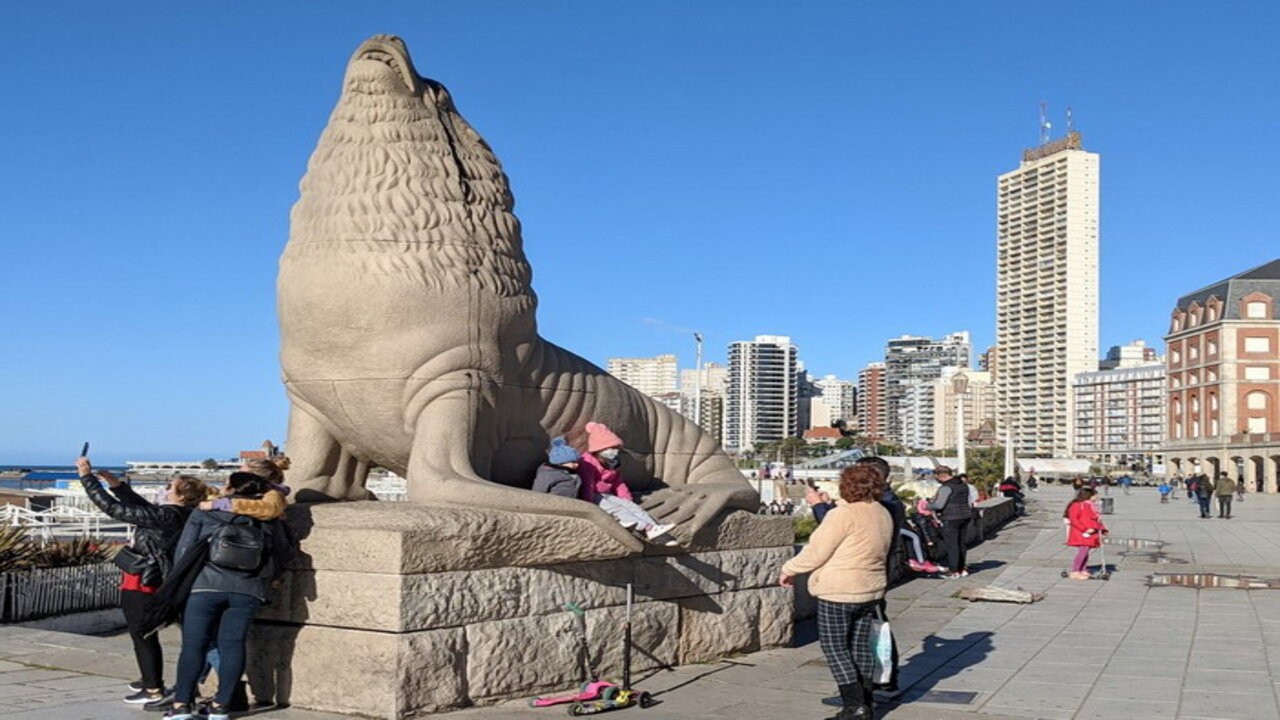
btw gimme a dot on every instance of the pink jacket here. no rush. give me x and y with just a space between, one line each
599 480
1084 518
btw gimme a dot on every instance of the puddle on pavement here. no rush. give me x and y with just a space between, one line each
1213 580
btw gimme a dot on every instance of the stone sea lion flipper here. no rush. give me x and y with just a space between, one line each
322 469
692 507
441 472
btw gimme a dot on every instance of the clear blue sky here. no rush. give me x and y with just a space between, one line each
824 170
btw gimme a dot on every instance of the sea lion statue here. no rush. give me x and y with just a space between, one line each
408 331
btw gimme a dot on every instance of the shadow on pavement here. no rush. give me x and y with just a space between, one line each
938 660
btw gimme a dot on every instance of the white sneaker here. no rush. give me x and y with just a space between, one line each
657 530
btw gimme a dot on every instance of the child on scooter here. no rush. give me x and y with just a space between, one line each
1085 531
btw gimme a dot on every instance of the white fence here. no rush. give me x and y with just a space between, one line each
62 522
31 594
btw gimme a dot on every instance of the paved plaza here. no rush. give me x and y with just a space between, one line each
1115 649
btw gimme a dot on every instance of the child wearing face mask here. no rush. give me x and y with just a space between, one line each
602 484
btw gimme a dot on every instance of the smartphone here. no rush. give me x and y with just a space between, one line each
84 451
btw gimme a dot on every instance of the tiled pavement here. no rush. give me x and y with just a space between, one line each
1115 649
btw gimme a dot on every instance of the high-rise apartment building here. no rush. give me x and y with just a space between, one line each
761 402
1120 408
910 362
1223 363
1046 292
872 413
652 376
835 399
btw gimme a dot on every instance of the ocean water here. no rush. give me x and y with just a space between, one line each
40 477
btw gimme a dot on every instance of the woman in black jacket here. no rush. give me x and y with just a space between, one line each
157 530
224 598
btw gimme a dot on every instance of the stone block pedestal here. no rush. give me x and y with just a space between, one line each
397 610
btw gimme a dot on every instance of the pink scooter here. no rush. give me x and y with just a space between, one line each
597 690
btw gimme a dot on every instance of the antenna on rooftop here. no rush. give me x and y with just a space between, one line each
1044 122
1071 122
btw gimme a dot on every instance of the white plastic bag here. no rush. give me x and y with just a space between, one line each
881 651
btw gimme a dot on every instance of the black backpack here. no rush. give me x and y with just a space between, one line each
238 544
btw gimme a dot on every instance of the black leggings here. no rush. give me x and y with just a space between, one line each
953 542
145 649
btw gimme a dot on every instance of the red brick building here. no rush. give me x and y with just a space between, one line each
1223 366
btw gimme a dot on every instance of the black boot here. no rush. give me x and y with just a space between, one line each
857 703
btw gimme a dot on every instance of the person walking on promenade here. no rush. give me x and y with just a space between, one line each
1204 492
1085 531
1164 491
1225 489
846 561
1240 489
953 508
146 561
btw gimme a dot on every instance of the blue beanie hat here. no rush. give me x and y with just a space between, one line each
561 453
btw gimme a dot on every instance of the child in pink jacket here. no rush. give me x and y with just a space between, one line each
602 484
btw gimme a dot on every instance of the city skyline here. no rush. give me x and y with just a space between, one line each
818 170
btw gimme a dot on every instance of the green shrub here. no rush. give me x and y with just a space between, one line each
804 526
18 551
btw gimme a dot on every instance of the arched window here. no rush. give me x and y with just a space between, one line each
1213 402
1256 400
1195 404
1177 407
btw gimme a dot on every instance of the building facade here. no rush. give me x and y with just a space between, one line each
913 362
1223 364
872 413
977 395
703 394
762 397
1120 409
652 376
834 399
1046 293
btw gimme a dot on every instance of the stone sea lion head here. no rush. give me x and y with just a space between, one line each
400 183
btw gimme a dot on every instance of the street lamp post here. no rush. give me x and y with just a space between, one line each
960 384
697 382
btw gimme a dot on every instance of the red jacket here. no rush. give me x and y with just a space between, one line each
599 480
1083 516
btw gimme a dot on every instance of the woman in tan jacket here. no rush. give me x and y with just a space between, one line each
845 558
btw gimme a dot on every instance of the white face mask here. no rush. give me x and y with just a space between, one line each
610 454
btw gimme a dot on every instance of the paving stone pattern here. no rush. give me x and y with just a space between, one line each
1096 650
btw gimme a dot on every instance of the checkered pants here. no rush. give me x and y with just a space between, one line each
844 631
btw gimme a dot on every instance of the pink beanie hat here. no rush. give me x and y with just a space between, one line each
600 437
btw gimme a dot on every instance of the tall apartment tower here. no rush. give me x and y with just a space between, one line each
652 376
1046 293
762 397
871 405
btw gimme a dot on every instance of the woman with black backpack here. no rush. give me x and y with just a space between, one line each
146 561
244 555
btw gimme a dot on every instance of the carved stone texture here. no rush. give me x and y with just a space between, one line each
507 658
409 334
777 616
409 538
655 637
356 671
714 626
408 603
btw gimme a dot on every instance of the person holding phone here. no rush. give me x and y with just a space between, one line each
146 561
